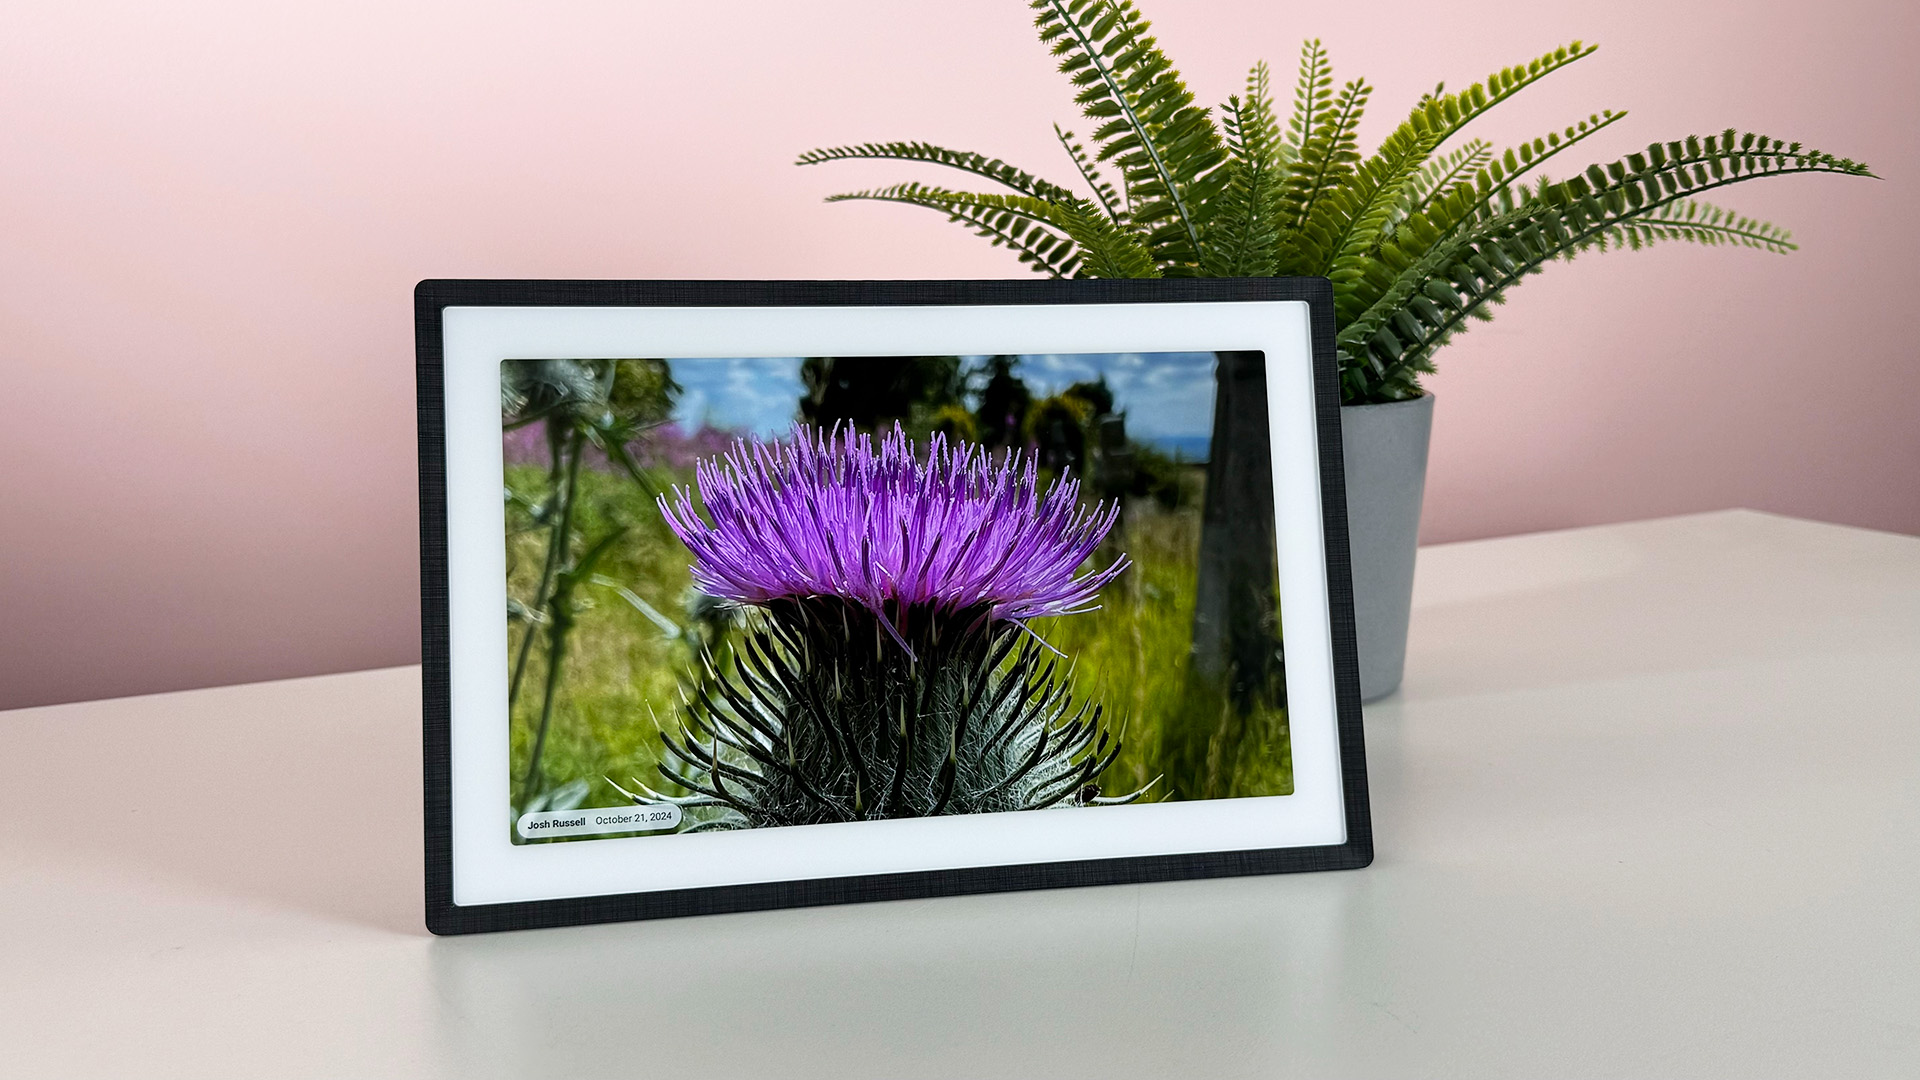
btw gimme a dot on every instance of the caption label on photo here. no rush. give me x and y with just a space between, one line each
600 822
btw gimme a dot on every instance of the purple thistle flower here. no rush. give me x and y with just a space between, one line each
824 514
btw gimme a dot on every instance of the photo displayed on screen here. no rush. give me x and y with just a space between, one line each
758 592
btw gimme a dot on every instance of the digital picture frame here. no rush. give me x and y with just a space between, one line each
742 595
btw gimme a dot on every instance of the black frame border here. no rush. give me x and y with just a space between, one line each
443 916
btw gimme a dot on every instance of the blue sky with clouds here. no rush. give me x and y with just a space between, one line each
757 394
1168 397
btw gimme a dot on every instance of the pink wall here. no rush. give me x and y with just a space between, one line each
212 213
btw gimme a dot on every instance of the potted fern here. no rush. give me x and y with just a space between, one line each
1418 238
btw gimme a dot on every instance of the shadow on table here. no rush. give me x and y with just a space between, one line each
1121 980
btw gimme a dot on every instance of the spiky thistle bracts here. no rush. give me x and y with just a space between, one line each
822 717
827 513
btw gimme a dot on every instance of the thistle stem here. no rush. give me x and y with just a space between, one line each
555 458
559 609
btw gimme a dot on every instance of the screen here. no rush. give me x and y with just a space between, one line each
762 592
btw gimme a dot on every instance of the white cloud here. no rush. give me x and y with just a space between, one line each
757 394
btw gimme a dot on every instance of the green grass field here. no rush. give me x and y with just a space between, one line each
620 677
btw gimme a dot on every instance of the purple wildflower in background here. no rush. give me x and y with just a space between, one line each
525 445
674 447
668 446
826 514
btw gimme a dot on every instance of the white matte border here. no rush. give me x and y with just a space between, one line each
489 869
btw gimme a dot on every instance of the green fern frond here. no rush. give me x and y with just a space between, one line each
1107 248
1312 96
1365 207
1444 172
1348 223
965 160
1166 147
1415 245
1326 164
1444 212
1696 222
1089 172
1465 202
1242 238
1096 245
1639 199
1027 234
1448 113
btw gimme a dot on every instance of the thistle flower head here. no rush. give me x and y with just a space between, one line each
830 514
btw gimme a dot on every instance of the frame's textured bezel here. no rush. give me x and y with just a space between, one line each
443 916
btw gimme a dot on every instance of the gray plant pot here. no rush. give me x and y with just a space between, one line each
1386 452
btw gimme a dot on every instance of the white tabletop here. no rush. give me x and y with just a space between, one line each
1649 805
